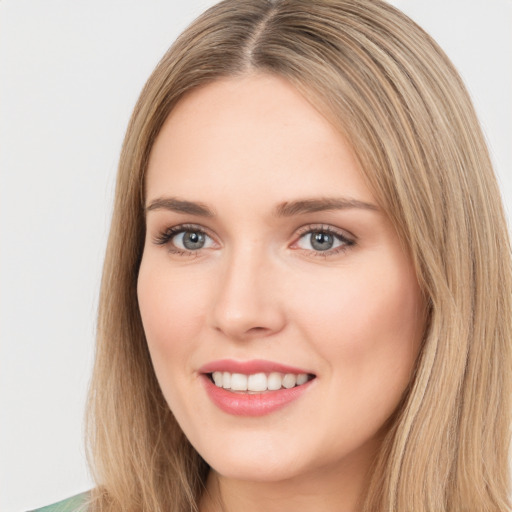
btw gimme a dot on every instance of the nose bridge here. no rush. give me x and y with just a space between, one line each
247 302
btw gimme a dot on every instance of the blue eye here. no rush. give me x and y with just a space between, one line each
189 240
323 240
184 239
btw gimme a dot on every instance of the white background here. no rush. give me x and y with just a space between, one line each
70 73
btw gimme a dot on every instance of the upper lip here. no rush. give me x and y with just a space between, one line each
249 367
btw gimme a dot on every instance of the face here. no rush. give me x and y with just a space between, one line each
282 314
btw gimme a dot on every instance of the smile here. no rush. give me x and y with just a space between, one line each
254 388
258 382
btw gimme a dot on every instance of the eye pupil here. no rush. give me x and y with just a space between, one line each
193 240
321 241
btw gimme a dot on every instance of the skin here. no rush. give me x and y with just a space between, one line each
258 289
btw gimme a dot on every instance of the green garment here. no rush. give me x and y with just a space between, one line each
74 504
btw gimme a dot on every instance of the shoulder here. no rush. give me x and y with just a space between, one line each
76 503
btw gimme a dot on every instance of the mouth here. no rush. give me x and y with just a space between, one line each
254 388
257 383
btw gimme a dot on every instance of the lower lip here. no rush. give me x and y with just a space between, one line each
257 404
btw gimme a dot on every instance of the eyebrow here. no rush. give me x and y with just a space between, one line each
302 206
180 206
285 209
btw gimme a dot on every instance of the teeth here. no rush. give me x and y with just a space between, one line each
302 378
274 381
258 381
238 382
289 381
218 379
226 380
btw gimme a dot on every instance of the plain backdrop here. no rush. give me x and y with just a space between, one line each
70 73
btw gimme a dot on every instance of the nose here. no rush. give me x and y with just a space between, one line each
247 304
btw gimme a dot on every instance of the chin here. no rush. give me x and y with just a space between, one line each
261 462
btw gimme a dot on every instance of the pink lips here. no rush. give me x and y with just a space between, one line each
246 404
248 367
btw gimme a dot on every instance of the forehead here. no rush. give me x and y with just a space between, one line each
249 136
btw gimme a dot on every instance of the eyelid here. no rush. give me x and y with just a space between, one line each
343 233
165 236
348 239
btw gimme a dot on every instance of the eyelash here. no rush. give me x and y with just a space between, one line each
165 238
337 234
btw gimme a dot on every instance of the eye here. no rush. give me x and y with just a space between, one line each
184 239
323 240
190 240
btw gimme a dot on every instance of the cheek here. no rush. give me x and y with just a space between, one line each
363 306
367 322
170 309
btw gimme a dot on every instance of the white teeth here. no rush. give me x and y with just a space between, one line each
274 381
217 378
258 382
302 378
238 382
289 381
226 380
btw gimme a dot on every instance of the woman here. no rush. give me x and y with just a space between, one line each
306 298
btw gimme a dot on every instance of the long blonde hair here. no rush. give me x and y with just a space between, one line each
397 98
